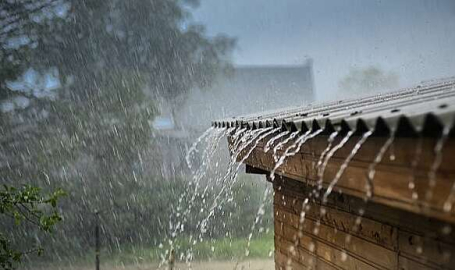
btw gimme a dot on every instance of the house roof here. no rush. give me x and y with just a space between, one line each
424 109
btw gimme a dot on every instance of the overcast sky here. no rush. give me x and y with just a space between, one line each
413 38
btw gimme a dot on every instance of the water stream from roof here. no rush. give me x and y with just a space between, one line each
330 140
269 143
282 143
369 182
210 139
259 214
228 180
281 159
415 162
204 167
438 153
193 148
372 168
345 164
296 146
286 144
330 155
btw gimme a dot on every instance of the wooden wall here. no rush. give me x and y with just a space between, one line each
401 227
392 178
386 238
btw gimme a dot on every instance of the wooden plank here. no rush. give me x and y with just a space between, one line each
323 265
409 264
340 258
374 254
405 221
403 150
294 192
370 230
283 262
396 232
296 254
426 250
310 246
391 183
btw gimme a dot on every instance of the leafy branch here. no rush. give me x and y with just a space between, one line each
26 205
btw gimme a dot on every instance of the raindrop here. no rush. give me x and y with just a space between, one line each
344 256
376 161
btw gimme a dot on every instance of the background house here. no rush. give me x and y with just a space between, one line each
245 90
249 89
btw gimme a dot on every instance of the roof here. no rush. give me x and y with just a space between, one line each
424 109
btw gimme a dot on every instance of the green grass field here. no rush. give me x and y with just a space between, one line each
218 249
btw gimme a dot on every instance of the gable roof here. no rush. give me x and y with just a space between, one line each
425 109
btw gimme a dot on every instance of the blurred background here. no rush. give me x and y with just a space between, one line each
101 102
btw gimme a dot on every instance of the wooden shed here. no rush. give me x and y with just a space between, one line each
390 161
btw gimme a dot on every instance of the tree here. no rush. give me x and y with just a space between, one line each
19 22
93 136
369 79
25 205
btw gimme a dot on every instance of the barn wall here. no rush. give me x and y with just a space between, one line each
386 238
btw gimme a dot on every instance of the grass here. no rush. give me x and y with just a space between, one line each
217 249
223 249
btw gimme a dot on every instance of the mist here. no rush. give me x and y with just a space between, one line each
149 134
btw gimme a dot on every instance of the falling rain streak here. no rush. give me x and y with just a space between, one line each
106 100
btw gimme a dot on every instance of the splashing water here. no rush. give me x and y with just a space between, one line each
258 139
282 143
327 149
296 146
257 142
236 138
247 139
372 168
346 163
260 213
302 140
369 180
254 136
211 138
193 148
414 164
329 156
207 160
437 162
240 138
273 139
302 217
319 186
280 160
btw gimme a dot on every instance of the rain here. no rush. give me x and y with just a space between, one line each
197 134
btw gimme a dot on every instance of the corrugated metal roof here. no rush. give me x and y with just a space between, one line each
425 109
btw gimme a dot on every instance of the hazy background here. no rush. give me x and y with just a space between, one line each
415 39
104 99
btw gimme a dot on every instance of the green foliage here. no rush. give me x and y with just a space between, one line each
21 20
113 59
26 204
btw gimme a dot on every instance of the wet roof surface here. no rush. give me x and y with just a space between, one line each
425 109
